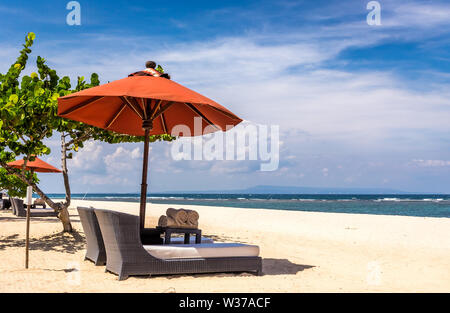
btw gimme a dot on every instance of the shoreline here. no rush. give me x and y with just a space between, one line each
192 206
301 251
419 206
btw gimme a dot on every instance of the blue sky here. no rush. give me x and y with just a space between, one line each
357 105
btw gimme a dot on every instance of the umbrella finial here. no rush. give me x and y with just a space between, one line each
150 64
155 71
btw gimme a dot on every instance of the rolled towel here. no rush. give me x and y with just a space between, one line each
192 218
179 216
167 221
162 221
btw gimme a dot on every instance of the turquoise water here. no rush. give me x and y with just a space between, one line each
425 205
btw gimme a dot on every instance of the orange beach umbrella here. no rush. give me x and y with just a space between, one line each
143 106
123 105
34 166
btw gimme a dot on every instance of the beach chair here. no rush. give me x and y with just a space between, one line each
13 206
95 248
19 209
5 204
126 255
39 202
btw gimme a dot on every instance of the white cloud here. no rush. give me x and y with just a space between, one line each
108 180
136 153
427 15
87 157
52 160
229 168
431 163
122 160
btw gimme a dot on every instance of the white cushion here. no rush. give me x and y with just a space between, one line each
207 250
180 240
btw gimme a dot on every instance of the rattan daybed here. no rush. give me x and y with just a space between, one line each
126 255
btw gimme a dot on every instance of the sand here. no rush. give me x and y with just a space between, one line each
301 251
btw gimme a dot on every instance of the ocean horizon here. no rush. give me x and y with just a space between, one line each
421 205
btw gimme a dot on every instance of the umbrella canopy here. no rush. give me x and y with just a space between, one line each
123 105
143 106
36 166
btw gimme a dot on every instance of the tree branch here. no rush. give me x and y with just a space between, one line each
16 133
87 135
22 177
65 170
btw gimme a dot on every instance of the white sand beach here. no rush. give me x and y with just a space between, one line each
301 251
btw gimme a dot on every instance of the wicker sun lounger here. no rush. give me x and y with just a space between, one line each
5 204
13 206
127 256
20 210
40 202
95 248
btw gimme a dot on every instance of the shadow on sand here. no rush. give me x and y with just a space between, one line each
74 242
7 216
270 267
59 242
282 267
14 218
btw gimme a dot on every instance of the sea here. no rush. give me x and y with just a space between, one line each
424 205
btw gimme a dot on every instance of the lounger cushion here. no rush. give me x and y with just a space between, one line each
207 250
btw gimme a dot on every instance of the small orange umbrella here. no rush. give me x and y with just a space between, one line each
143 106
34 166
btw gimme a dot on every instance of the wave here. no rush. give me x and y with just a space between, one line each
411 200
430 205
266 198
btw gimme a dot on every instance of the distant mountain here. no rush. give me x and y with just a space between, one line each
264 189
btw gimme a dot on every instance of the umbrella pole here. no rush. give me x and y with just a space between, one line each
27 239
144 180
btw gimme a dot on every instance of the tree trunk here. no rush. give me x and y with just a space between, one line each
64 217
64 213
59 207
65 170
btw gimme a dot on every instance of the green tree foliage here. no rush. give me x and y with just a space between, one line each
12 184
28 115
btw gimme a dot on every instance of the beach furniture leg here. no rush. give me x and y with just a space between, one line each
122 276
167 237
